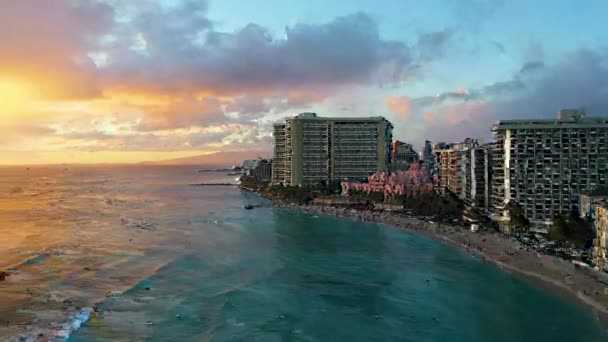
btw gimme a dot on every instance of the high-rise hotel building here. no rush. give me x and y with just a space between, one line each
545 164
309 149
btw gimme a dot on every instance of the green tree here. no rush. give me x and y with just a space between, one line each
518 222
571 229
376 196
334 187
441 207
560 230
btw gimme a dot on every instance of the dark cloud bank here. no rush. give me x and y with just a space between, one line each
579 80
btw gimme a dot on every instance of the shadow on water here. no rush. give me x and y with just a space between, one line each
35 260
335 260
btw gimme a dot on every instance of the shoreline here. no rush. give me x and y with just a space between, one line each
581 286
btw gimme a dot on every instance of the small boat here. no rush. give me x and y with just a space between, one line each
248 206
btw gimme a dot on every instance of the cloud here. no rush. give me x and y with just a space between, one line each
249 108
457 121
48 41
474 13
97 49
347 50
212 137
433 45
531 66
499 46
184 113
176 48
248 105
400 106
534 51
579 80
13 134
458 94
106 75
503 88
428 118
297 100
489 92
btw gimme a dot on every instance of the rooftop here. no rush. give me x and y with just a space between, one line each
566 118
551 123
314 116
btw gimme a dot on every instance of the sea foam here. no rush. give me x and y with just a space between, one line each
74 322
62 331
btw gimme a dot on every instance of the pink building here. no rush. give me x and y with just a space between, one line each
415 181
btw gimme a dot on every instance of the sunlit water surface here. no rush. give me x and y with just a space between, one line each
167 261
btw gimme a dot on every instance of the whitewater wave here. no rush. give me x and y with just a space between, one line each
61 332
74 323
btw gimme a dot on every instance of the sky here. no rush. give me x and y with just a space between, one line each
110 81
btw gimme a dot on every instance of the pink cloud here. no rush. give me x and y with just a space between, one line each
428 118
455 122
464 112
462 91
183 114
400 106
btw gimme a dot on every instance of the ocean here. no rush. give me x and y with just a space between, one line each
139 254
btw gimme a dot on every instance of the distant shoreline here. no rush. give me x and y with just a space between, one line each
555 274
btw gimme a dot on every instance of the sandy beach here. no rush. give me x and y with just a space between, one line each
586 286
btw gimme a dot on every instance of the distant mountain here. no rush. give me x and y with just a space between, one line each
217 159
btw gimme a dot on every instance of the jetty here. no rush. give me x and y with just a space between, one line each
261 205
247 188
215 184
215 170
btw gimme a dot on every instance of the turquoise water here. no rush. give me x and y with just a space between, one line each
209 270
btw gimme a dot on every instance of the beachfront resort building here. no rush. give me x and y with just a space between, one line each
600 243
544 164
463 168
428 157
415 181
309 149
451 171
259 168
403 156
263 170
250 164
477 176
594 208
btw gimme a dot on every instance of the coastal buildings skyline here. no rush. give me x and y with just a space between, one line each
543 166
557 160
